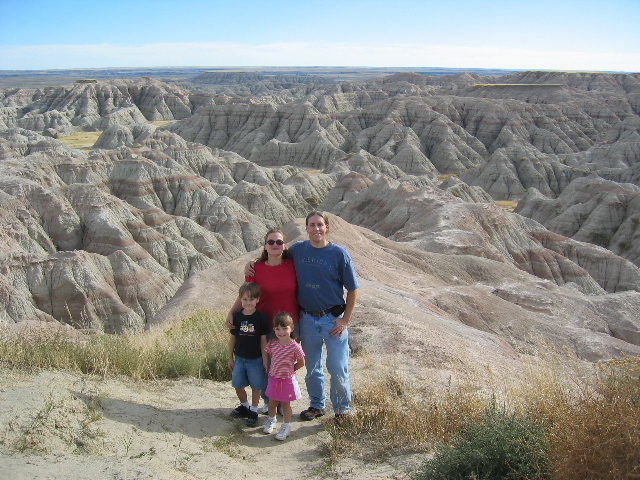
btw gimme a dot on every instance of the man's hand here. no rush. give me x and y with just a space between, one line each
341 325
248 269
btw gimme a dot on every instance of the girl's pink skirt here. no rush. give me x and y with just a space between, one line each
283 389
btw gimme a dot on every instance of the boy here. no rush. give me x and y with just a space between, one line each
246 342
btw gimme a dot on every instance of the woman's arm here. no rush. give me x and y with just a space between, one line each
232 346
237 306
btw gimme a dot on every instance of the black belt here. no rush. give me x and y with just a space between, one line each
316 314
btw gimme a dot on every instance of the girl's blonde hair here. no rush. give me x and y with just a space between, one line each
284 319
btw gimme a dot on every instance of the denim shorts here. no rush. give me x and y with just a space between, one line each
248 372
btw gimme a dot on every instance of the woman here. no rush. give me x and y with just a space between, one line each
275 274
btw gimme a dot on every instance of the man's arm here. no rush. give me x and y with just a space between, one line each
249 270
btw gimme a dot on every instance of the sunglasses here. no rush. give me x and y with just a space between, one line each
277 242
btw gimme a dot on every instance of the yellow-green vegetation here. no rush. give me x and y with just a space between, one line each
195 347
546 428
81 140
447 175
528 85
507 205
312 200
312 171
160 123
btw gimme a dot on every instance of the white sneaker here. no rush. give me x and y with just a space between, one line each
269 425
284 431
265 409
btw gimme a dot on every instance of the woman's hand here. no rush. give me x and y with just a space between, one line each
230 364
229 322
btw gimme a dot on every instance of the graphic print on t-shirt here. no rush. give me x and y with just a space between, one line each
247 328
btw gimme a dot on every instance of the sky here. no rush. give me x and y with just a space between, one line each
505 34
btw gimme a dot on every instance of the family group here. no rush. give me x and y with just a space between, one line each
293 293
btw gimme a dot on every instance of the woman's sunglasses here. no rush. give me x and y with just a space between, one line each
277 242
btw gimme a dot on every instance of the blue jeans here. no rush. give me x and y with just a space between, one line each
248 372
314 332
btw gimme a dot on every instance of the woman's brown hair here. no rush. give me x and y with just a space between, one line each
264 255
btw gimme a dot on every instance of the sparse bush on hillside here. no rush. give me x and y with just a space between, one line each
500 445
196 347
599 238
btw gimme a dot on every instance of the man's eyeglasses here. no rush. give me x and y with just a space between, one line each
277 242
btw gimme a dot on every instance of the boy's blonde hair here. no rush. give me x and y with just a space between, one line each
251 288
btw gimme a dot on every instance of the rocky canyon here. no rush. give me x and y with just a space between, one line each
499 210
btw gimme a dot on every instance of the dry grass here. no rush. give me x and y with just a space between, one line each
597 434
63 421
527 85
507 205
590 416
195 347
81 140
392 417
444 176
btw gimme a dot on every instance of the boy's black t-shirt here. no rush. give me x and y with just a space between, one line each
249 329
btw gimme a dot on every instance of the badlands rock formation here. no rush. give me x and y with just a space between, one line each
112 237
93 106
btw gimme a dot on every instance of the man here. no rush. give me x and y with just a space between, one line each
324 270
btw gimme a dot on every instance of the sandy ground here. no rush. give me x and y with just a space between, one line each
56 425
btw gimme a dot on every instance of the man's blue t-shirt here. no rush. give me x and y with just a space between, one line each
322 274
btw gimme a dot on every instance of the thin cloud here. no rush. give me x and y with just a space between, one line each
306 54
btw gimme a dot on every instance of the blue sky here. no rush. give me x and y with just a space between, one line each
509 34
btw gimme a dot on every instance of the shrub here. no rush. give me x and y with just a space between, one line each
498 446
312 200
599 238
626 245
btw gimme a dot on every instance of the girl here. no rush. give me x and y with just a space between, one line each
282 387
